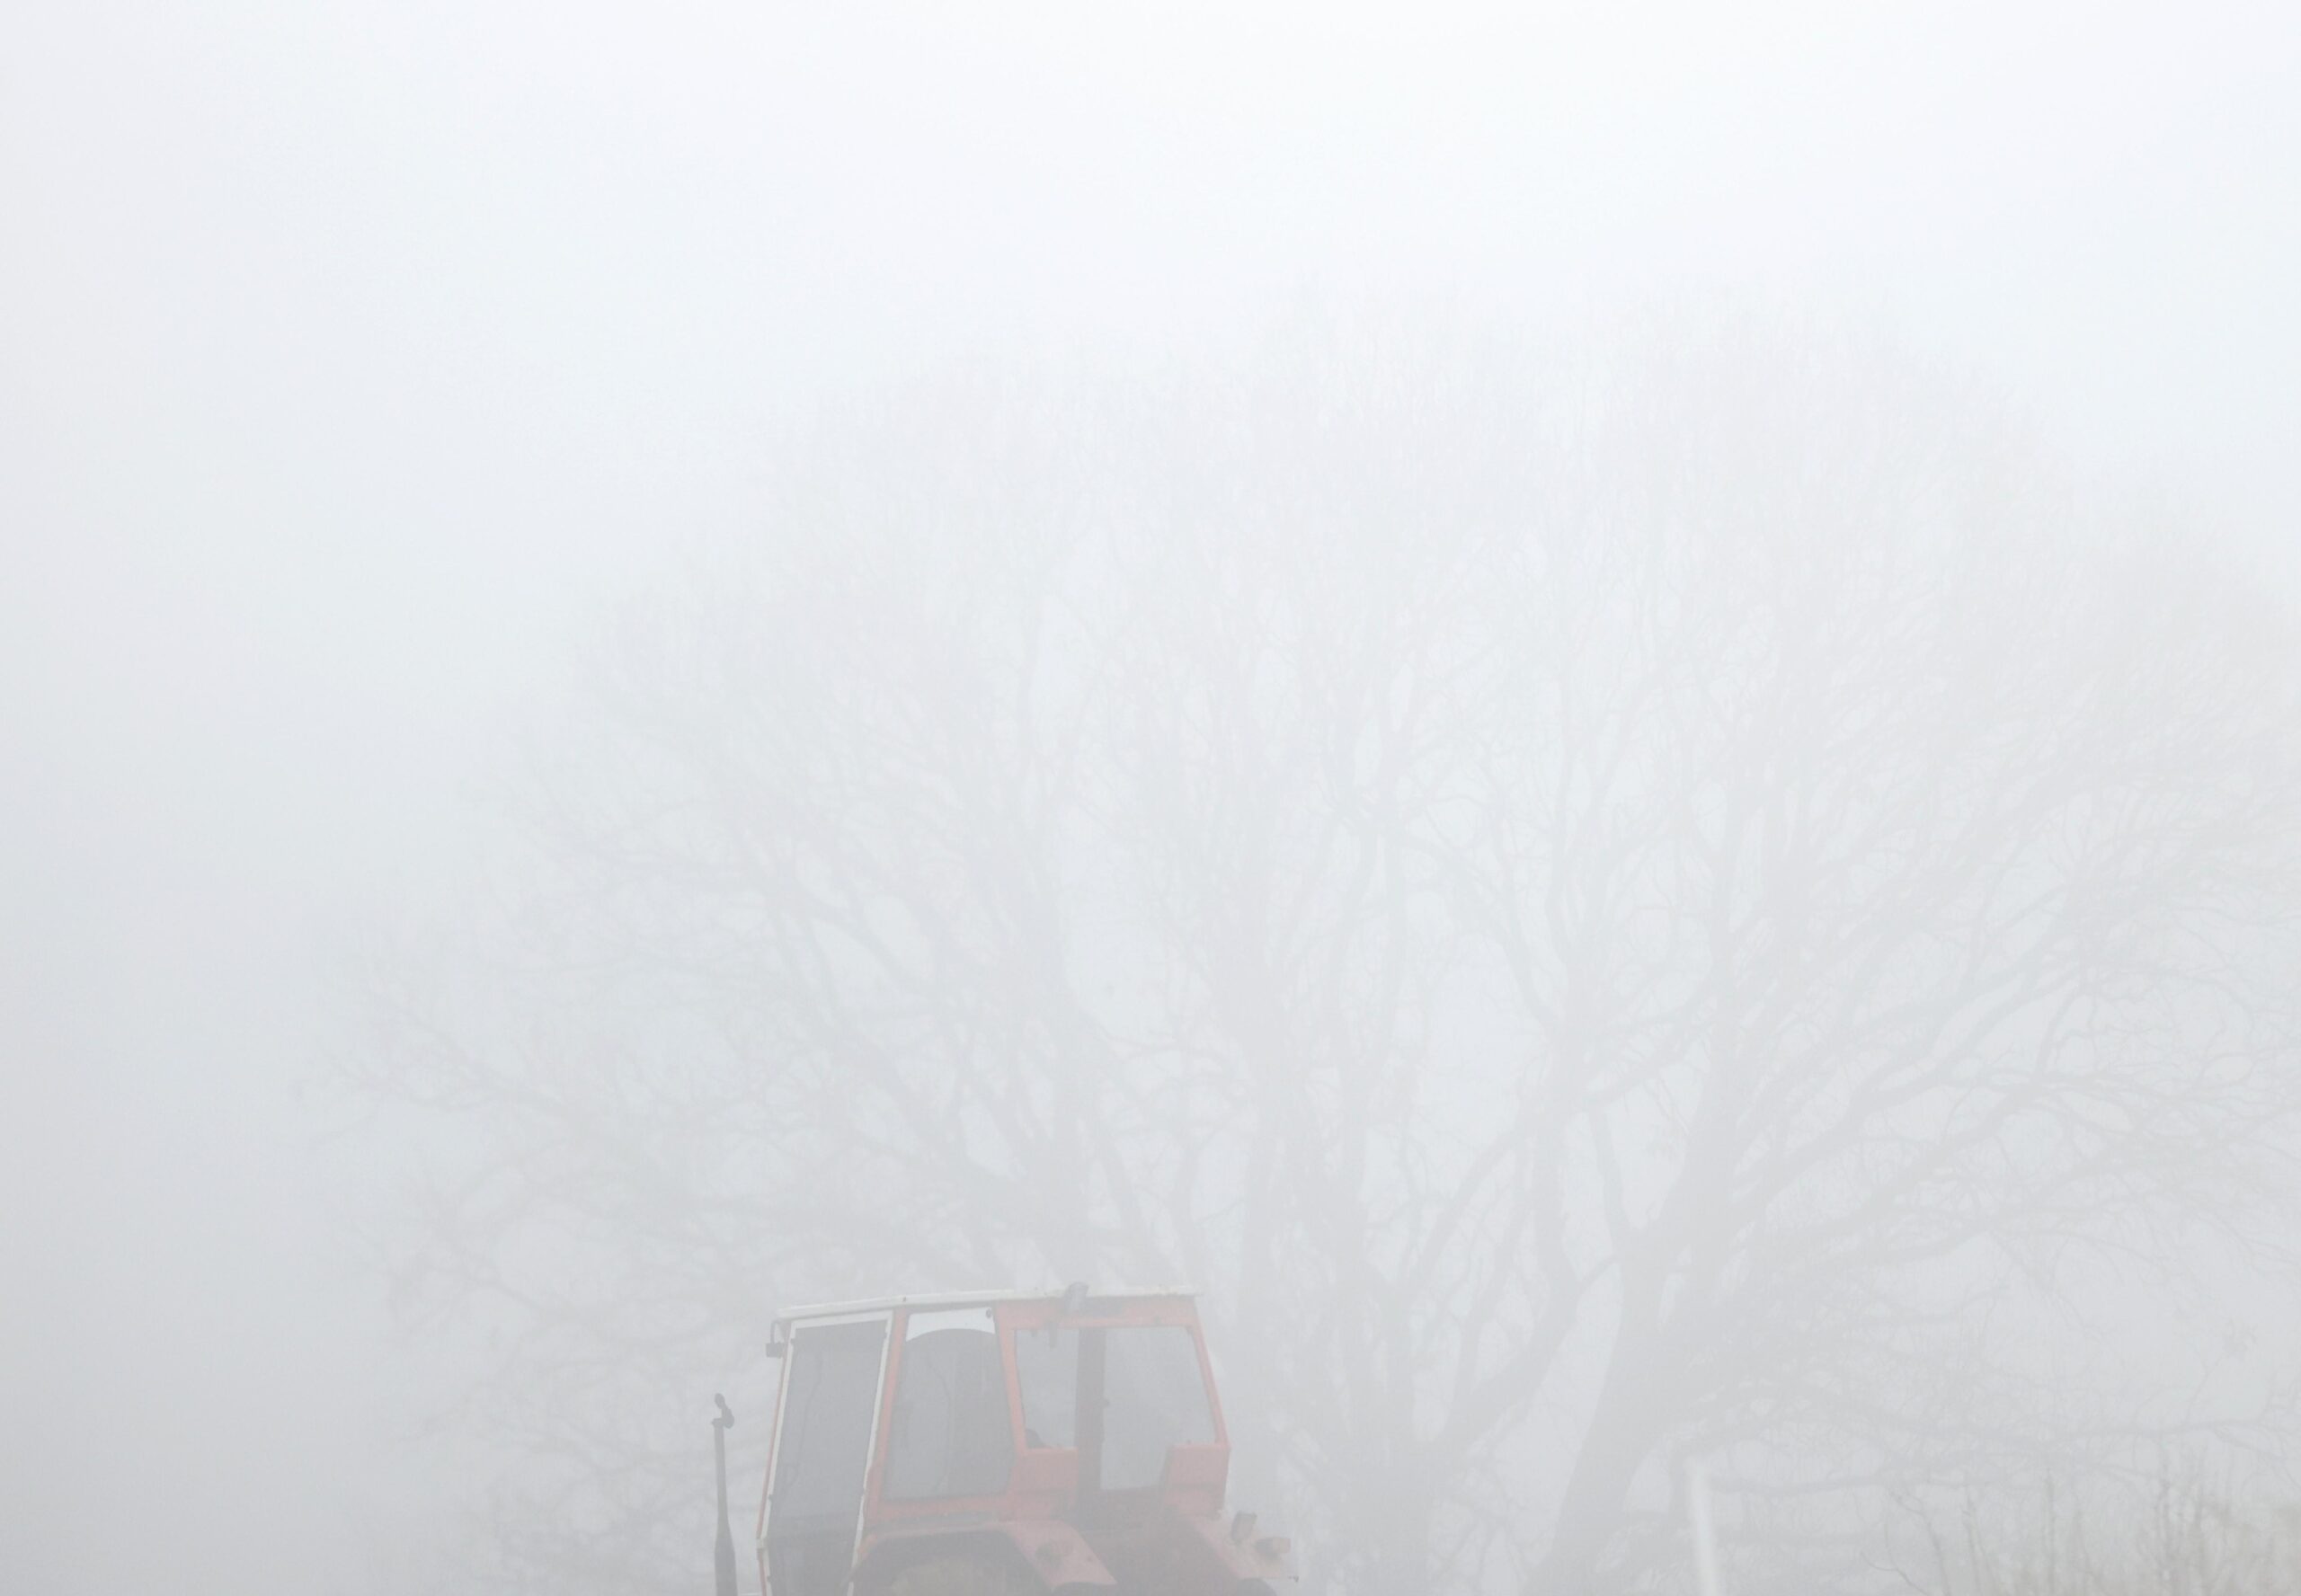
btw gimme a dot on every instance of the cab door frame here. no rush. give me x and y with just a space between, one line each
885 1319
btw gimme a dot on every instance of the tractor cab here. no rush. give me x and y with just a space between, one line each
1002 1444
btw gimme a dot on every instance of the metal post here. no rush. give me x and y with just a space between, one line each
724 1553
1705 1536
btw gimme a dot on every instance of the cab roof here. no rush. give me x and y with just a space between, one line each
971 1299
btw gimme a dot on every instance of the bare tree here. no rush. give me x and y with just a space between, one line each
2168 1524
1696 903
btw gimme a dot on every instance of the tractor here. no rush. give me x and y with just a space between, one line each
1002 1444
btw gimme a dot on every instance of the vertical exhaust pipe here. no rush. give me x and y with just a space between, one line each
724 1554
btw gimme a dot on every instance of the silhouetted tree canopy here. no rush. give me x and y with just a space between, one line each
1695 902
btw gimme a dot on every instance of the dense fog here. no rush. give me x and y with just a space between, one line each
1593 711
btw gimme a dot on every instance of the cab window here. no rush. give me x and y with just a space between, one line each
1154 1398
950 1434
1046 1369
830 1407
1144 1382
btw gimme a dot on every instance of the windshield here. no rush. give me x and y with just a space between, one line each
1143 1379
1155 1399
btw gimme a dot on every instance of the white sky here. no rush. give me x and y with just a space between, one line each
353 352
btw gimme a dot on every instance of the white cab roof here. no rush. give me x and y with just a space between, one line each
967 1299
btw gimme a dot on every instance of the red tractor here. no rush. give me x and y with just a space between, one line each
1004 1444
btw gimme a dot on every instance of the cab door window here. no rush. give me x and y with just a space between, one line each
815 1498
951 1434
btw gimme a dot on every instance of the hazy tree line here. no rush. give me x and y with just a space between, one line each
1699 903
2171 1524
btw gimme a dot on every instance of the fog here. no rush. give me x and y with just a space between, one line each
430 436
